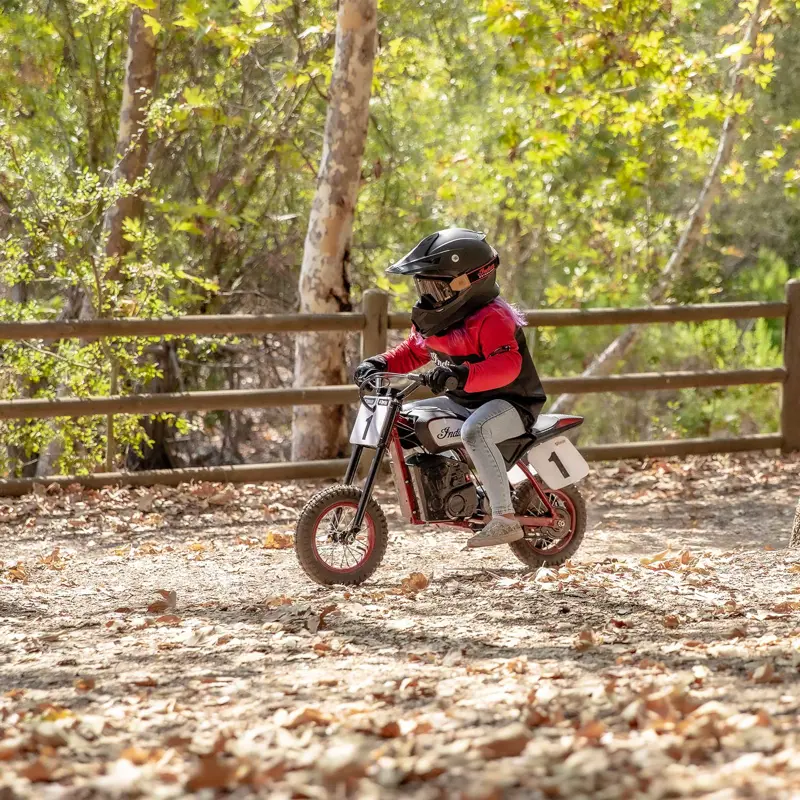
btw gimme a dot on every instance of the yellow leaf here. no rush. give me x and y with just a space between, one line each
278 541
248 7
734 50
153 24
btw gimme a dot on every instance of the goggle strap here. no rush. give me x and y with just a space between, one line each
468 278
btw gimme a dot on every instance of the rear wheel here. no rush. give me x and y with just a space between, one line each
545 547
328 551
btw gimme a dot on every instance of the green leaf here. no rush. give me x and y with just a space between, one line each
195 98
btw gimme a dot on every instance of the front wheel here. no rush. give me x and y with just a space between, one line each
328 551
543 547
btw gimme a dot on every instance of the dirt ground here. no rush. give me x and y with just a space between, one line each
630 672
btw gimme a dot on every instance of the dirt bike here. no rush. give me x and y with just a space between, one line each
342 534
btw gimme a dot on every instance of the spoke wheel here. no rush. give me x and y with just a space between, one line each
327 547
546 547
335 543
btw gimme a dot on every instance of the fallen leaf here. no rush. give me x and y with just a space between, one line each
223 498
211 773
53 561
144 680
278 541
18 573
37 772
593 729
585 640
649 561
138 755
281 600
505 743
306 716
145 503
247 541
168 619
786 606
315 621
344 761
168 603
11 748
414 583
765 674
390 730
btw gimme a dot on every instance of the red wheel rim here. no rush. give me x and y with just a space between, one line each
560 501
337 556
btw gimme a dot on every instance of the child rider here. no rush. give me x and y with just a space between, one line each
461 324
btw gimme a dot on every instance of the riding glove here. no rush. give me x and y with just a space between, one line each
437 378
369 367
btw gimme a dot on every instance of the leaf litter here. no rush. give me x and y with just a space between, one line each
661 662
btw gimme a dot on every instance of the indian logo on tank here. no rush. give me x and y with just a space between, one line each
445 429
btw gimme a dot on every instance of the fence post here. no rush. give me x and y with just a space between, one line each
790 403
375 306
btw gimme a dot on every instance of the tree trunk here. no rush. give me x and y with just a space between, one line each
132 142
324 285
795 540
131 160
158 454
605 363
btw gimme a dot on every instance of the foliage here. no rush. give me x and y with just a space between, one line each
576 135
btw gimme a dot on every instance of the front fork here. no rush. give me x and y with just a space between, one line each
374 467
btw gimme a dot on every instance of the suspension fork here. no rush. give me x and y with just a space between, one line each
377 460
352 466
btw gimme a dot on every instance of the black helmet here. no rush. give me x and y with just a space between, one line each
455 272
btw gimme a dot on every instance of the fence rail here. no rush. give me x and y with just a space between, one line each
644 315
341 395
373 322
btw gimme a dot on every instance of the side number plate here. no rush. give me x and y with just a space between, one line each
369 422
558 462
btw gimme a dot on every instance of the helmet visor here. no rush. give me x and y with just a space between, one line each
434 291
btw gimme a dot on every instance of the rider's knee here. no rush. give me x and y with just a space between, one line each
471 433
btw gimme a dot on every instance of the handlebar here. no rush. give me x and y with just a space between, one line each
381 383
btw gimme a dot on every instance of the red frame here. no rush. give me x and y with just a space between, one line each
396 454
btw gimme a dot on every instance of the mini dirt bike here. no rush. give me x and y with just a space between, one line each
342 534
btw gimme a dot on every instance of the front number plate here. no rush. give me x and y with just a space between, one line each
370 421
558 462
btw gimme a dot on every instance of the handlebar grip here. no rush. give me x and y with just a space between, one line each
451 384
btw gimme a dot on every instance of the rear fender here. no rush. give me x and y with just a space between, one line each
558 462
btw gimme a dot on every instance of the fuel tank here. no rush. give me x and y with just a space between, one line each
434 429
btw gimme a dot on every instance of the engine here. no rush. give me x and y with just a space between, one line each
443 487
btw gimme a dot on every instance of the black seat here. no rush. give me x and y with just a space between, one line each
549 425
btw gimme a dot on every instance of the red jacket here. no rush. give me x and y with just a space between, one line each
489 332
492 345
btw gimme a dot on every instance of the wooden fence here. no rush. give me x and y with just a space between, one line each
373 322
